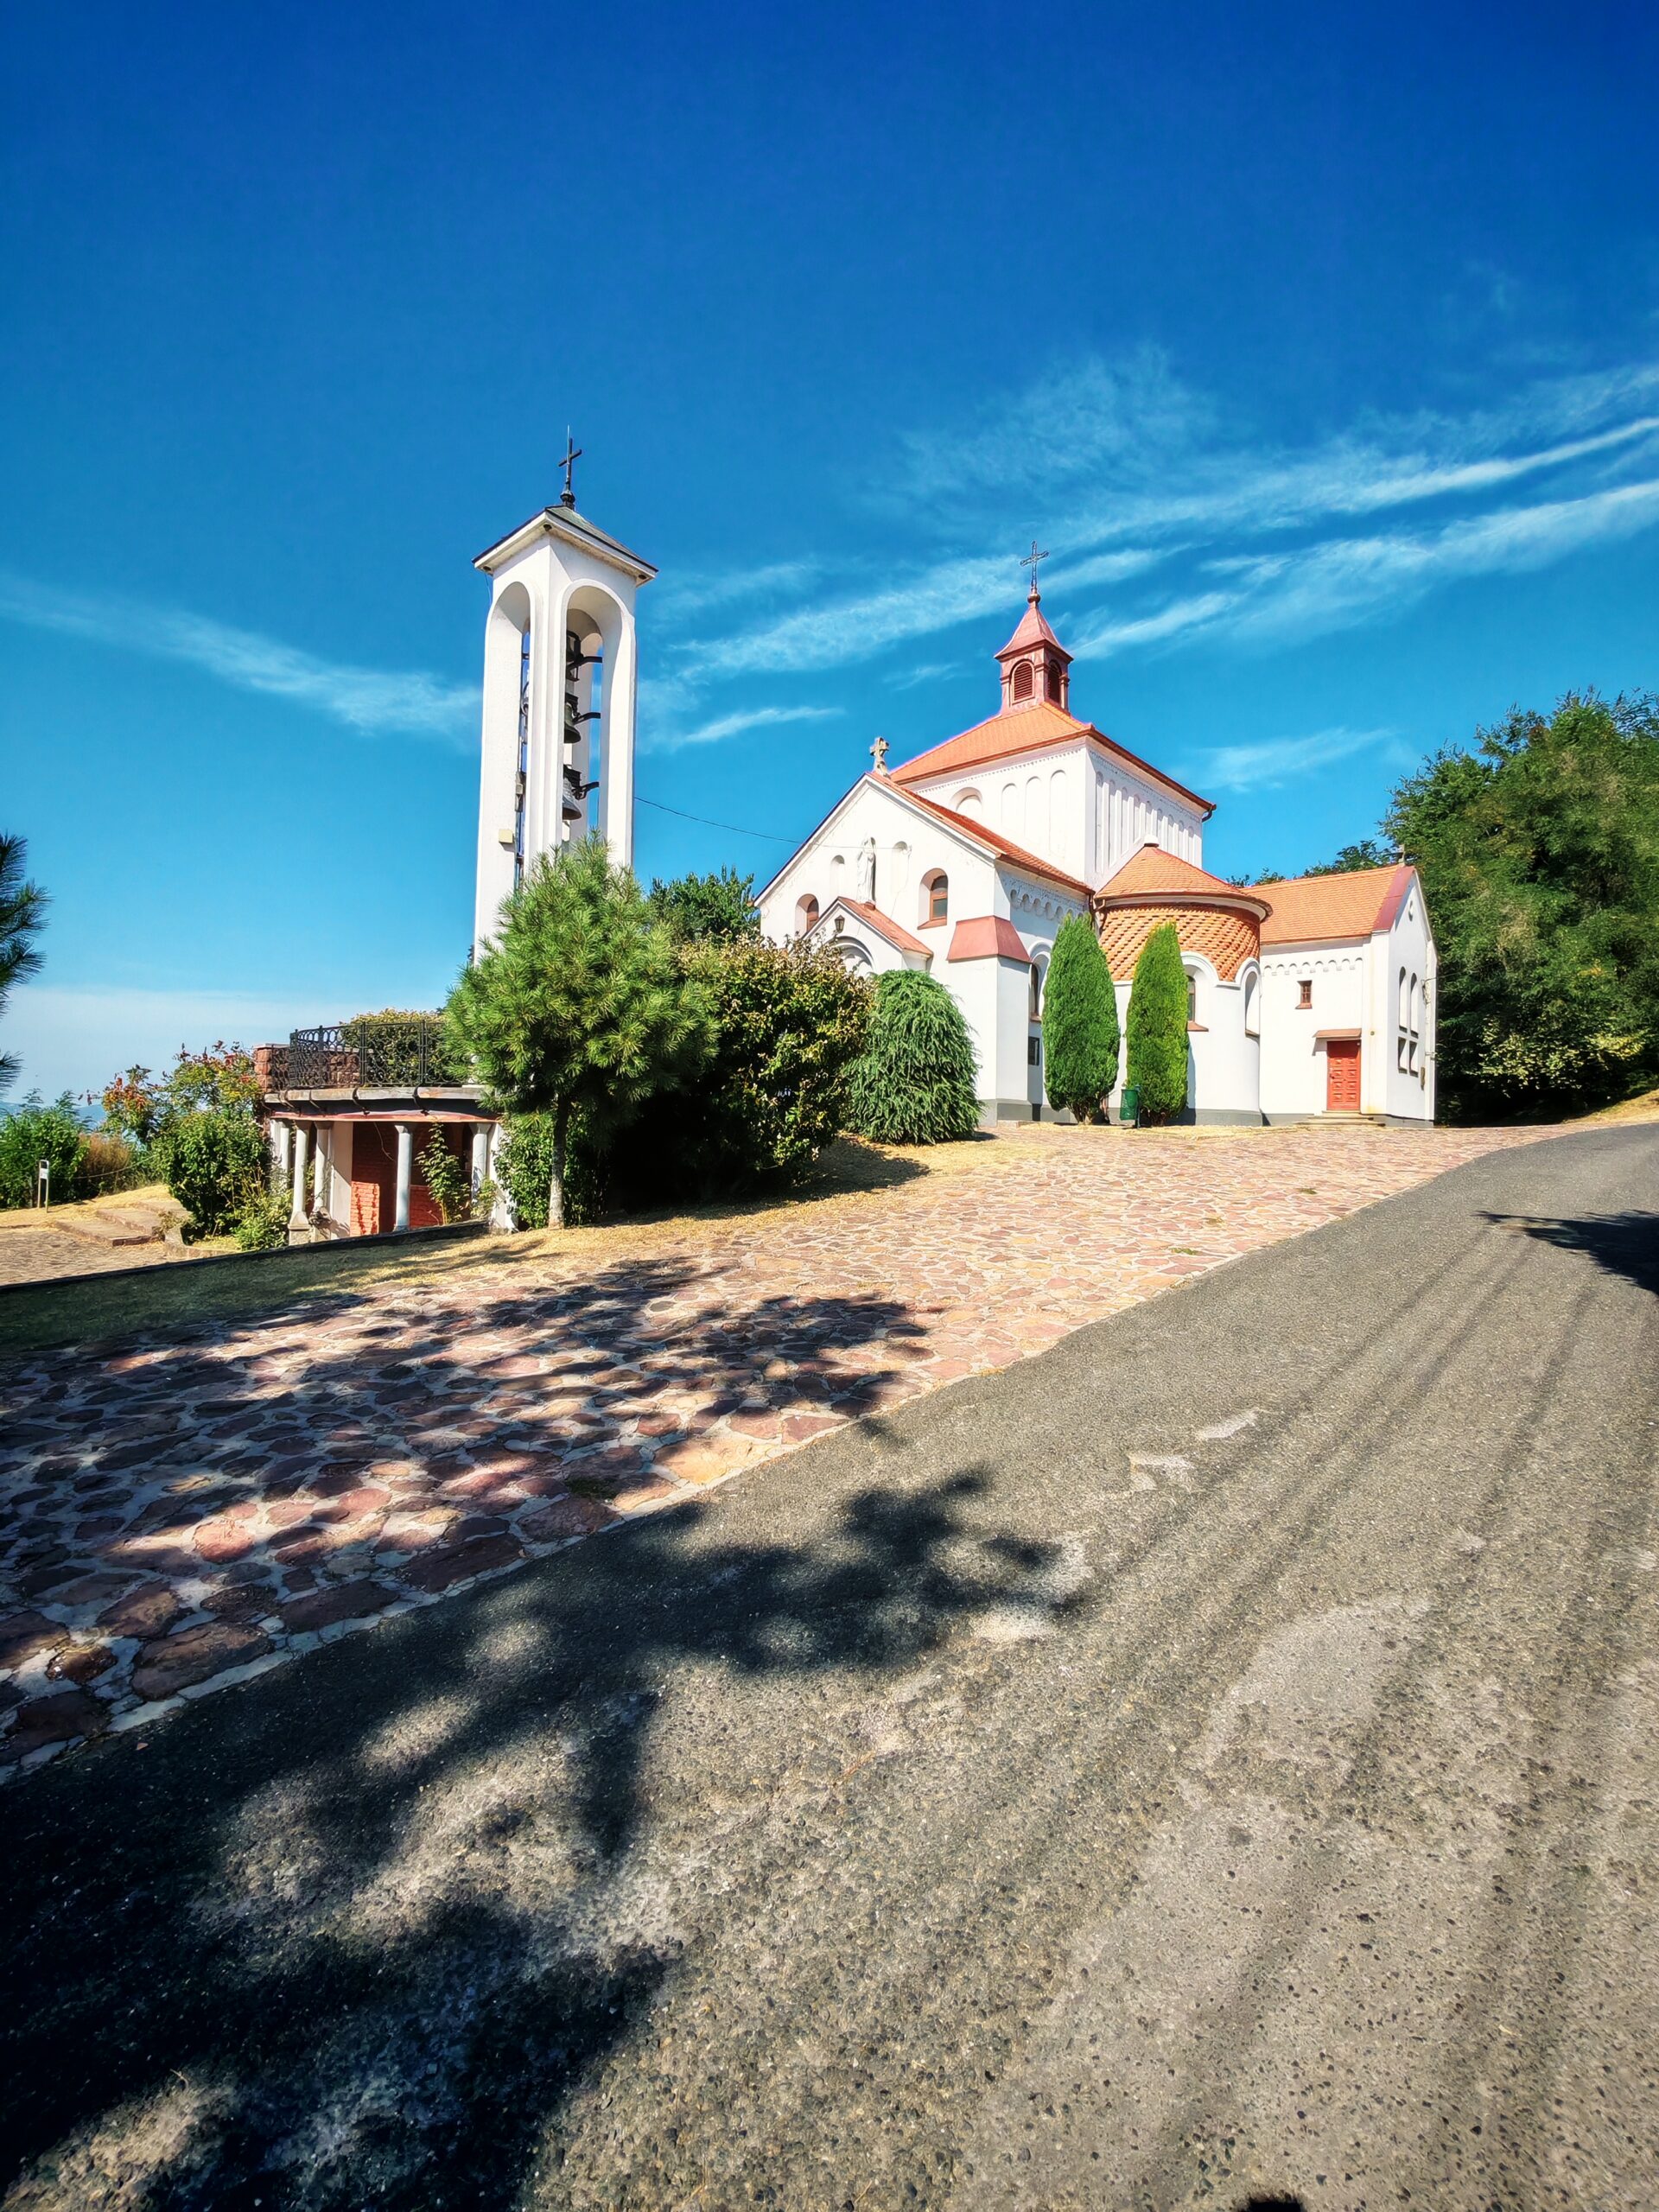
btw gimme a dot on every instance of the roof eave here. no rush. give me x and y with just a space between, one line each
575 530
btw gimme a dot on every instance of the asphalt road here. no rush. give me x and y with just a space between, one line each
1214 1762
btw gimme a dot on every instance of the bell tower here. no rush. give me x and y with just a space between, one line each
560 676
1035 664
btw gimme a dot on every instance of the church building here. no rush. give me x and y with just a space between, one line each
1313 997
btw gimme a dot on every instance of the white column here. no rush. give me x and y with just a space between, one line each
616 762
405 1171
301 1142
481 1156
282 1141
322 1179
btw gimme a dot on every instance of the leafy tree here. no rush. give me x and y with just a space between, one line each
1538 852
915 1080
216 1164
36 1131
22 916
1156 1030
716 909
1368 853
788 1026
1080 1034
199 1127
580 1002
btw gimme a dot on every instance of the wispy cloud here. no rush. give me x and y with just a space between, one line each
730 725
1278 760
368 700
1343 580
1141 474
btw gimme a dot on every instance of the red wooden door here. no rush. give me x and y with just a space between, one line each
1341 1074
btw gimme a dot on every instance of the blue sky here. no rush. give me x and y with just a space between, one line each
1320 345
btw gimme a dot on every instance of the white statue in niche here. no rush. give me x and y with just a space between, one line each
867 871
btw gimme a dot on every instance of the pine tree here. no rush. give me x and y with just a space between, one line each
1080 1035
22 912
580 1002
1157 1025
915 1081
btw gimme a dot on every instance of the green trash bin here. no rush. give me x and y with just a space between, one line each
1128 1109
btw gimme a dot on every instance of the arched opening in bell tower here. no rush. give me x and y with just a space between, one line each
594 624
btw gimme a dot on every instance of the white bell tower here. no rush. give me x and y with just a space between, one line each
560 668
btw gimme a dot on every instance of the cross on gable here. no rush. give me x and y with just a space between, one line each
878 755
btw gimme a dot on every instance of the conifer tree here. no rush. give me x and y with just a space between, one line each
1080 1036
915 1081
580 1002
1157 1025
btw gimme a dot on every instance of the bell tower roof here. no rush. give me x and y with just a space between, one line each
1035 665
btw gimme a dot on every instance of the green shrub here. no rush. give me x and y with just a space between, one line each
447 1179
215 1163
111 1163
1157 1026
34 1132
262 1225
915 1081
1079 1022
709 909
788 1026
523 1168
389 1045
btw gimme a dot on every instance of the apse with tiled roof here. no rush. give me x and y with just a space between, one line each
965 859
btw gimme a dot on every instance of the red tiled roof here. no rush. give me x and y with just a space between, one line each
1029 729
1034 630
1151 869
983 935
999 844
884 925
1307 909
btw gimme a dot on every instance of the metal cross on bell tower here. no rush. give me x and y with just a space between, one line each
1030 561
572 456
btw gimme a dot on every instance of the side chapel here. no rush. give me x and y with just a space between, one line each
1311 997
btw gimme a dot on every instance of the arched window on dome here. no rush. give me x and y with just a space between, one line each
806 913
936 896
1020 688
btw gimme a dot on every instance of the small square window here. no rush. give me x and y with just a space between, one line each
1304 991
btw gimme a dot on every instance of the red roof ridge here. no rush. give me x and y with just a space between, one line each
1154 870
883 925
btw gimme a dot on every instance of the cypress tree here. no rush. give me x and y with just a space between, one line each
915 1081
1157 1025
1079 1022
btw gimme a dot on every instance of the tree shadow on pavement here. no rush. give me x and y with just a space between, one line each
358 1931
1621 1243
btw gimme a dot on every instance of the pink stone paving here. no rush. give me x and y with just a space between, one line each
187 1512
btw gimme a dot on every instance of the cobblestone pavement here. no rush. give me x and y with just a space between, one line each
185 1512
49 1255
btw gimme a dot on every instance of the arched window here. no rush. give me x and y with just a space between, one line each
1052 681
968 803
1252 1007
1039 974
936 896
1022 681
1191 994
806 913
1402 1041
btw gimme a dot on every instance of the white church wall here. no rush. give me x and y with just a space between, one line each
1224 1062
1125 812
1403 994
910 848
1036 800
1293 1057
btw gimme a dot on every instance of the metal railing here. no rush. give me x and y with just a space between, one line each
374 1053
